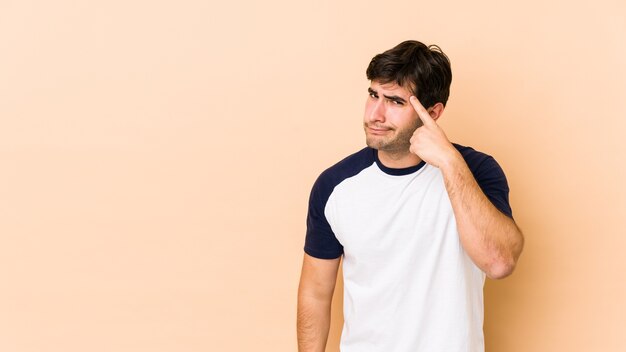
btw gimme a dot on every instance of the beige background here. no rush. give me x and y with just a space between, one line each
156 159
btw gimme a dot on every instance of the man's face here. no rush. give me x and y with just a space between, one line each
389 119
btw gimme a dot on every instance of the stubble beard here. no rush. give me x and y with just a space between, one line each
395 145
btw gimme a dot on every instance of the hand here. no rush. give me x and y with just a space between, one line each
429 142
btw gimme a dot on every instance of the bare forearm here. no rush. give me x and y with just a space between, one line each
313 324
490 238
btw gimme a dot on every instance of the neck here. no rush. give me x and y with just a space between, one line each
398 160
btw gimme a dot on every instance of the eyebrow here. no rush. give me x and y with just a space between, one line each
390 97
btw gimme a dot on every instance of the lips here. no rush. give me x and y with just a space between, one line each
378 130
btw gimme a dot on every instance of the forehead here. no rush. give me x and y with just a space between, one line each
391 88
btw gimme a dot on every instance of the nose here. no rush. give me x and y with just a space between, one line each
376 111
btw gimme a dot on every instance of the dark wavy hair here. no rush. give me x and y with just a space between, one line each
423 70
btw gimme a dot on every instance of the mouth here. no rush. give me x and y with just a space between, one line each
377 130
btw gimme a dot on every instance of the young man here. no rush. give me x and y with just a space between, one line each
419 221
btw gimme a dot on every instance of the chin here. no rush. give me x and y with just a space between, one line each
372 144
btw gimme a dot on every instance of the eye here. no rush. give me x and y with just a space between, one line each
397 102
373 95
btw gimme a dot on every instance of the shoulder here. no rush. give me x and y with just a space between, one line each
334 175
346 168
473 157
480 163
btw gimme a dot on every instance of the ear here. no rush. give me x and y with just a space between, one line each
436 111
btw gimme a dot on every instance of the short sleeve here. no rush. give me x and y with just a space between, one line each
320 240
489 176
491 179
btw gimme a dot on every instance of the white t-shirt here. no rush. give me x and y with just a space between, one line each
409 286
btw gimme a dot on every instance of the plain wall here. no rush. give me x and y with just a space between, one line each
156 159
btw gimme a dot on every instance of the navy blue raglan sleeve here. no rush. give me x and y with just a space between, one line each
493 183
320 240
490 177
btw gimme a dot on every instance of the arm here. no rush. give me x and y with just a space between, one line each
490 238
315 294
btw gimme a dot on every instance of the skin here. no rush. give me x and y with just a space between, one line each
389 123
315 294
405 133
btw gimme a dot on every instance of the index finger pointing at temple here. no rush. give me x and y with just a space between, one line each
421 111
